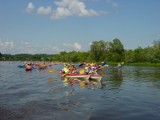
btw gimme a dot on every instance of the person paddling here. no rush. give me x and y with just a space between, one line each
119 65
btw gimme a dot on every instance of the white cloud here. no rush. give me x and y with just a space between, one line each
60 13
71 7
66 8
6 46
42 10
151 45
114 4
74 46
77 46
29 48
67 45
56 49
25 47
30 7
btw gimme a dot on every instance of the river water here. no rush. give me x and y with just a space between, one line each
130 93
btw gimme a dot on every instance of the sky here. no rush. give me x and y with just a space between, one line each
52 26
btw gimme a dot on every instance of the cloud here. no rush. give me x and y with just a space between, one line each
29 48
66 8
77 46
30 7
74 46
151 45
114 4
42 10
6 46
71 7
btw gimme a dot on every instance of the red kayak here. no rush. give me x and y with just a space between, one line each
28 68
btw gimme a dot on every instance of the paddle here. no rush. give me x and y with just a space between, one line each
51 70
81 84
102 66
81 71
119 65
102 73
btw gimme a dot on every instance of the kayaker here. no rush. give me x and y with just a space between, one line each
72 69
66 70
103 63
119 65
88 69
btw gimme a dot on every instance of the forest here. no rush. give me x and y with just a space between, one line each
110 52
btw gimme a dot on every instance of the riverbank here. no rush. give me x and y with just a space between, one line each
136 64
114 63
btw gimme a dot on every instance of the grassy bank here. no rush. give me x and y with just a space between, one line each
136 64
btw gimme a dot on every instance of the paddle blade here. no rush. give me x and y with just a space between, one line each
81 72
102 73
81 84
102 66
122 63
51 70
50 80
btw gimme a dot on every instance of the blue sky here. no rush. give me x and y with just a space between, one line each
51 26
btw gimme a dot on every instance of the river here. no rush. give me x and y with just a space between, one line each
130 93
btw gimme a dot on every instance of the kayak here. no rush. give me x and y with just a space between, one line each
97 77
84 76
42 67
28 68
21 66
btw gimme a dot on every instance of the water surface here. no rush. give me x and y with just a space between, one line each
130 93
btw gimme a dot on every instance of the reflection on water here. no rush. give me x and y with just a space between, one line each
50 80
75 84
128 93
81 82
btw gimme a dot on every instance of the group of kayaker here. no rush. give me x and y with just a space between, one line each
29 65
82 69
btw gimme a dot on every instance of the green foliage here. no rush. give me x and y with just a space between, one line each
27 57
150 54
98 50
117 50
129 56
111 52
0 55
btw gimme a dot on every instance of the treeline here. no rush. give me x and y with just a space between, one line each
26 57
99 51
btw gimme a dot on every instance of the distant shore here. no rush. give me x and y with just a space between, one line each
136 64
110 63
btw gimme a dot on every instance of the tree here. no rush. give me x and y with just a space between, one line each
154 51
117 50
0 56
129 56
139 55
98 50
